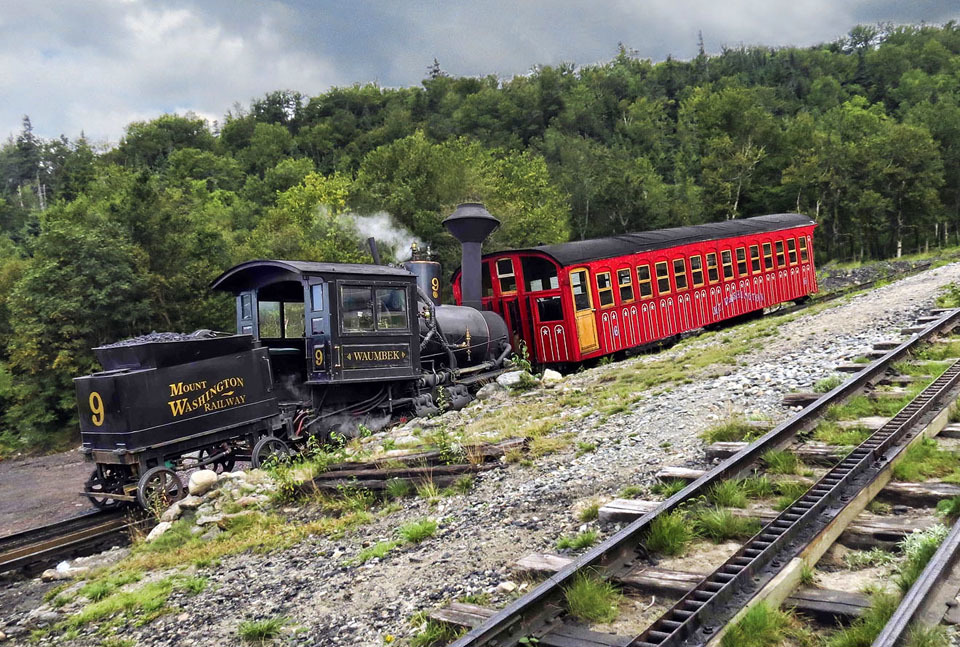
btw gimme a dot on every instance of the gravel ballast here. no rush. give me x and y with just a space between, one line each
330 600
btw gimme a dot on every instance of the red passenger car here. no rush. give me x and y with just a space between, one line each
581 300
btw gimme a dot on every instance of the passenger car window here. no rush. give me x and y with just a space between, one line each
726 258
604 289
508 282
755 258
539 274
741 261
780 262
581 297
356 309
792 251
550 309
643 281
803 249
625 282
663 278
767 257
696 271
391 309
713 275
680 273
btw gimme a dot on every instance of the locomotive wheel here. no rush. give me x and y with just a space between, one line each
103 482
224 464
158 488
269 447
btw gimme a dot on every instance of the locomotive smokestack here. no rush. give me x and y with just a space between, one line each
471 223
374 250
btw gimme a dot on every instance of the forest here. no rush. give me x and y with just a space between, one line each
102 243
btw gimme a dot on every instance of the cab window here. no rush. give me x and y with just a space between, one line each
780 262
767 257
391 309
713 275
726 258
508 281
755 258
486 285
741 261
604 289
280 320
696 271
792 251
539 274
680 273
643 281
625 283
356 309
663 278
803 249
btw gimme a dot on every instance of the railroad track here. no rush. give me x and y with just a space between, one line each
37 548
768 566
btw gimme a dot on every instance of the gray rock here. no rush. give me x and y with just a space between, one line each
208 519
488 391
516 380
172 513
551 377
201 481
190 503
158 530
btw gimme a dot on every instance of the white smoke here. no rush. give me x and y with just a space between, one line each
389 235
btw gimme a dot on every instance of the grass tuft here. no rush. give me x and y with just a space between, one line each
592 598
719 524
782 462
398 488
261 630
926 636
632 492
918 547
729 493
789 492
590 512
865 629
828 384
576 542
435 633
758 487
857 559
831 433
763 626
668 488
733 430
377 551
925 460
417 531
670 534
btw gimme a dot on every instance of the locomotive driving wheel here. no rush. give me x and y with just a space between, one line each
103 482
269 447
158 488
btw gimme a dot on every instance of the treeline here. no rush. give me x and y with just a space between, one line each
863 134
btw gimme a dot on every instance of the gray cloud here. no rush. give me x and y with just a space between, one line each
99 64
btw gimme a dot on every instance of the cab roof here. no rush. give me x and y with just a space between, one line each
256 273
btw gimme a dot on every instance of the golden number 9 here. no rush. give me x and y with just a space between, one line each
96 408
435 283
318 356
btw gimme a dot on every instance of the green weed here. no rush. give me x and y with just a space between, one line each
719 524
377 551
780 461
669 487
576 542
918 547
735 429
417 531
925 460
864 630
729 493
592 598
261 630
828 384
670 534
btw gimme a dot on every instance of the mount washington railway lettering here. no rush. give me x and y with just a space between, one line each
206 400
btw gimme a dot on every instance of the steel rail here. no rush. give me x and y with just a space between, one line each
537 611
716 599
924 596
44 544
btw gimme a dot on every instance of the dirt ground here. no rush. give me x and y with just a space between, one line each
41 490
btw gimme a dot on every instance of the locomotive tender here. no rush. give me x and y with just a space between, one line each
319 344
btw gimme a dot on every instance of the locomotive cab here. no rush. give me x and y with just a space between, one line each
326 323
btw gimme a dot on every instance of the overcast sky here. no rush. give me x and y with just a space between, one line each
97 65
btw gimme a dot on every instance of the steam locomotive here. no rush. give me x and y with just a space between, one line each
317 344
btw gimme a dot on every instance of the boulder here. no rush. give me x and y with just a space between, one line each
516 380
172 513
158 530
238 475
190 503
488 391
551 377
201 481
208 519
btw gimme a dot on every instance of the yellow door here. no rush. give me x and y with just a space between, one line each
583 310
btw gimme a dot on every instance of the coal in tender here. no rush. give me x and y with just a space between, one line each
157 350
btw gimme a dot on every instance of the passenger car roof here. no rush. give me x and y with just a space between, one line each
599 248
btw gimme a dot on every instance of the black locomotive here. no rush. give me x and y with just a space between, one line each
317 345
